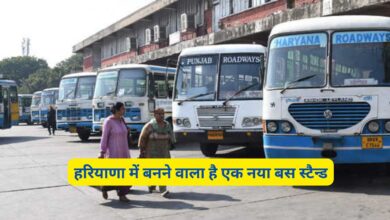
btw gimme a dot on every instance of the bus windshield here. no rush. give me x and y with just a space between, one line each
49 97
296 57
240 73
85 88
132 82
25 101
361 58
36 100
106 84
196 78
67 88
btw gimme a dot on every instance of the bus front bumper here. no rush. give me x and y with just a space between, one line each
342 150
228 137
73 127
134 128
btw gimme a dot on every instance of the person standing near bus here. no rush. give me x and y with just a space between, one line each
51 120
155 141
114 144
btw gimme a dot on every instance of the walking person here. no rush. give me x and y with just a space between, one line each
155 141
51 120
114 144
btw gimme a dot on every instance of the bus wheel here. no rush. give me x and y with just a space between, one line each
83 134
29 123
209 150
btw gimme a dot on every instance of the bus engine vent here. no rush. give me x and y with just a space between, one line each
216 116
329 116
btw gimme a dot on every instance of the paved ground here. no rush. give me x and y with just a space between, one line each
33 185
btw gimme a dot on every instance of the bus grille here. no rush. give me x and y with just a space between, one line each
216 116
73 114
329 116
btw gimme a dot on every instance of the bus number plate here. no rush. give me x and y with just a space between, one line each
73 130
372 142
215 135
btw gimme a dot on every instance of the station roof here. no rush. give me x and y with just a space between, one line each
124 22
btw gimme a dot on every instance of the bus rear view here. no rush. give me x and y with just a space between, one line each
218 96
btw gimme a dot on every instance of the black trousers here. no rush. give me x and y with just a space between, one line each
51 128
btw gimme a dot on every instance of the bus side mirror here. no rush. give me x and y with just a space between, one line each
151 105
151 86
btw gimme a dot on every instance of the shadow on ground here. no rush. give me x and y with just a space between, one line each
169 205
18 139
371 179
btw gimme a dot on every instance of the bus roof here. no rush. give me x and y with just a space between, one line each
344 22
49 89
81 74
7 82
148 67
25 95
224 48
37 93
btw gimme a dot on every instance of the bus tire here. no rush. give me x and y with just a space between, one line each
84 135
209 150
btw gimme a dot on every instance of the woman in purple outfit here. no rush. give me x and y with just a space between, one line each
114 144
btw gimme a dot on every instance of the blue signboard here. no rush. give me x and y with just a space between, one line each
361 37
299 40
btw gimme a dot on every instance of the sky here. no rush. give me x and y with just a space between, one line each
55 26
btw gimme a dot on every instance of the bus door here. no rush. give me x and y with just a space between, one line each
7 108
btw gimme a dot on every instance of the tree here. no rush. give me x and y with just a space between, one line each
33 74
19 68
71 65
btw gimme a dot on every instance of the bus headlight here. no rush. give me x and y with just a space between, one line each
272 127
286 127
182 122
186 123
100 105
387 126
136 118
251 121
373 127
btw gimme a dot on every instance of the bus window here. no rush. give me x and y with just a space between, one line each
196 77
67 88
85 88
171 81
240 72
291 59
132 82
13 94
106 84
160 85
360 63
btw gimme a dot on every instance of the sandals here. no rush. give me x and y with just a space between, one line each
124 199
104 194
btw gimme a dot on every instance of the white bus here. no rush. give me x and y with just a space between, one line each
142 88
49 97
25 108
218 96
74 105
327 90
36 108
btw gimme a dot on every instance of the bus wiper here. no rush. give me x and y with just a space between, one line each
70 92
238 92
110 93
288 84
194 97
